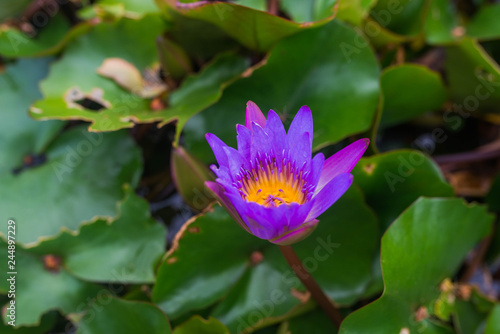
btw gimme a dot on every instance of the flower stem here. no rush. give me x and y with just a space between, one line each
306 278
273 7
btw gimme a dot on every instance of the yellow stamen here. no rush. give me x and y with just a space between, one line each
269 186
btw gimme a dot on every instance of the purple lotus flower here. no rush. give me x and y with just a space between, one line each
270 185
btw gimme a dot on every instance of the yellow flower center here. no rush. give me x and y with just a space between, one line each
271 186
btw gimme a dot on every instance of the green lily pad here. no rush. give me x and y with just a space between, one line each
468 318
20 135
334 247
185 32
485 24
74 77
343 99
47 322
315 322
255 4
493 322
197 324
51 290
238 262
50 39
267 294
393 180
441 23
403 17
206 87
10 8
177 290
339 231
308 10
132 242
473 77
415 259
379 36
113 315
354 11
90 167
134 9
427 94
38 171
257 30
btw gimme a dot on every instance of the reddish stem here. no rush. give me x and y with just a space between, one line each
273 6
312 286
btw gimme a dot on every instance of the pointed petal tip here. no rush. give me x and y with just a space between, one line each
305 108
301 123
366 141
254 114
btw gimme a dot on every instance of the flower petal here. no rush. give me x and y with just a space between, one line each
254 115
244 140
302 123
276 132
235 160
329 194
219 193
222 172
261 145
296 235
296 215
317 164
217 146
300 151
342 162
260 221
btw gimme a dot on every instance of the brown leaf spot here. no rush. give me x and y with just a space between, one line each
303 297
194 229
458 31
421 314
464 291
369 168
52 263
171 260
156 104
256 258
446 285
